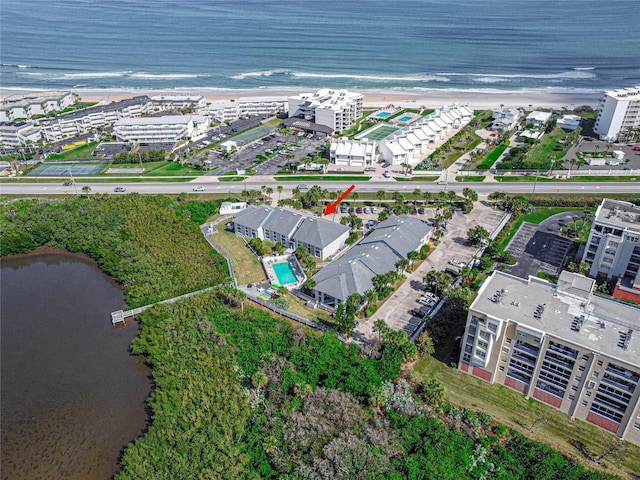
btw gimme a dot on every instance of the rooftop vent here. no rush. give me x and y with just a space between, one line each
625 339
539 311
577 323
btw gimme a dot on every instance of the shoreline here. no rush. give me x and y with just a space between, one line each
402 97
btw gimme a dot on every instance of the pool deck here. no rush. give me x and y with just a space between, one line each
269 262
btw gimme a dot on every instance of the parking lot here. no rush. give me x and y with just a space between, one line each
539 248
594 145
285 149
396 311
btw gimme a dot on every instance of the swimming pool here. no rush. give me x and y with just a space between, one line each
285 273
405 119
383 114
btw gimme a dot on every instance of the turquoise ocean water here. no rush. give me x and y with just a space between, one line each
553 45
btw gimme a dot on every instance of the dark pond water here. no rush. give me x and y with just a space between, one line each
72 394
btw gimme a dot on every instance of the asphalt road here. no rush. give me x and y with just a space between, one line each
370 186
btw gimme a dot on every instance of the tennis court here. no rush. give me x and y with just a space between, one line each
68 169
251 135
377 132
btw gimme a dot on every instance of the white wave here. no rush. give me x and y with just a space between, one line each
94 74
14 65
584 68
502 77
263 73
163 76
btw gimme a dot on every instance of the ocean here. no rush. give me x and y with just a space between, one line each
550 45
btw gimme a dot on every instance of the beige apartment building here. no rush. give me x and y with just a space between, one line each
561 344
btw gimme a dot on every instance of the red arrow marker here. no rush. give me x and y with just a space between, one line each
331 208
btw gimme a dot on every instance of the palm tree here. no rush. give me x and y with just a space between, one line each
413 255
279 188
402 264
470 194
269 191
86 190
381 195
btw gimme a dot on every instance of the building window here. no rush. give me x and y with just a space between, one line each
636 425
493 327
506 349
578 378
591 384
536 339
585 402
501 368
572 397
485 335
574 388
596 374
504 359
585 357
508 340
599 363
581 368
588 394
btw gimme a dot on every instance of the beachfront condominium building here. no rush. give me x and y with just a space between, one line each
322 238
89 119
559 344
166 129
353 153
336 109
230 110
619 113
26 106
19 134
613 247
192 103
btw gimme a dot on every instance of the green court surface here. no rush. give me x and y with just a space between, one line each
68 169
377 132
251 135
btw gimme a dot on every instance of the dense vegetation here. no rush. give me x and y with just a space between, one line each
146 243
145 156
240 394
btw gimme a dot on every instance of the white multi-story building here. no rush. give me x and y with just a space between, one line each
169 128
336 109
538 118
174 102
19 134
505 118
353 153
83 121
613 247
37 103
569 122
619 111
559 344
222 111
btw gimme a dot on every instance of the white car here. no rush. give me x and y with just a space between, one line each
386 175
303 186
198 188
457 263
441 182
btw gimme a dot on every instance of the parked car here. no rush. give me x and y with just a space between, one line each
374 210
457 263
370 169
367 210
359 210
637 148
386 174
352 210
421 211
119 189
431 296
198 188
451 271
344 210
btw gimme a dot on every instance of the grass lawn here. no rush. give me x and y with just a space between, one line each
231 179
321 178
273 122
574 178
169 169
537 216
491 158
83 151
297 306
418 178
245 264
148 167
546 147
470 178
514 410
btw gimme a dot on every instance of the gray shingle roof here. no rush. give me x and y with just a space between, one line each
319 232
252 217
401 233
282 221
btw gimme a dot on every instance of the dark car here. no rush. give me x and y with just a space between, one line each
344 209
67 184
451 271
421 211
637 148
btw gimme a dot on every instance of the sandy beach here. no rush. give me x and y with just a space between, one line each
431 98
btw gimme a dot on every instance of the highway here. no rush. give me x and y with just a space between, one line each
483 189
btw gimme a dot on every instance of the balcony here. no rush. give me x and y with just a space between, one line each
620 398
551 390
523 359
603 401
555 361
616 384
556 372
624 374
562 351
519 377
530 350
543 377
525 370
